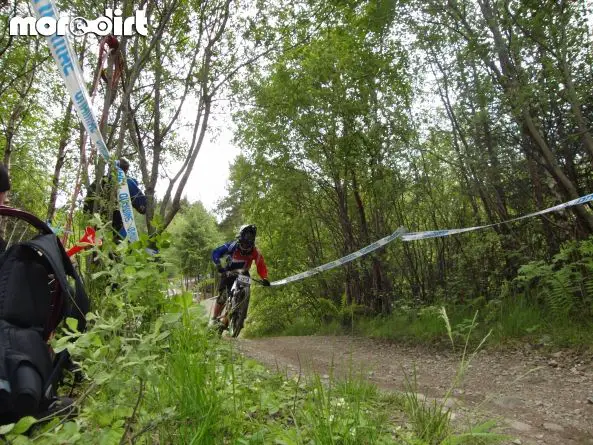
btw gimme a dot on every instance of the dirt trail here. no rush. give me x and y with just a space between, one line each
537 399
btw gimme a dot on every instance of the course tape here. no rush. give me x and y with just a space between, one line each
64 56
354 255
442 233
400 233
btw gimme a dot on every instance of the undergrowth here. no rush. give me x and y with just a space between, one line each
154 374
179 384
513 322
514 318
546 305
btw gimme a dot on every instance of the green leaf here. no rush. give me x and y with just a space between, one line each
71 431
111 436
171 317
104 419
72 324
23 425
102 377
162 336
20 440
99 274
5 429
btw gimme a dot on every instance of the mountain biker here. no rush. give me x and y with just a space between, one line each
240 254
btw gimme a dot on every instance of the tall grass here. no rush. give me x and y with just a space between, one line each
511 320
431 419
179 384
190 384
224 398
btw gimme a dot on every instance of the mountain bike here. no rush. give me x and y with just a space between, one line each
234 313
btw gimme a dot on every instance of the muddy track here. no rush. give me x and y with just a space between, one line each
536 398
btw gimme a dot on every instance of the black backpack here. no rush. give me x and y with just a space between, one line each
35 296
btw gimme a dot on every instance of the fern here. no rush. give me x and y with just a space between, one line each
564 286
587 289
560 293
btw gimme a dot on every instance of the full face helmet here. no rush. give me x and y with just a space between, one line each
246 238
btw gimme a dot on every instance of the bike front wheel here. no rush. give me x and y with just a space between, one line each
235 326
238 315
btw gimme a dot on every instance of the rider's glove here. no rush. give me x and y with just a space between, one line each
220 269
265 282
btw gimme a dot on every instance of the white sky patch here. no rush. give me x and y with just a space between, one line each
208 179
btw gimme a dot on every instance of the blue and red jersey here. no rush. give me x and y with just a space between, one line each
236 260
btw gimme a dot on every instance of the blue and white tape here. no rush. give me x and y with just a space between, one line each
351 257
442 233
64 56
400 233
125 206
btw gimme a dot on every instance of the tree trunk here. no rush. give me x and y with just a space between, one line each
511 86
157 145
376 285
575 105
551 239
61 157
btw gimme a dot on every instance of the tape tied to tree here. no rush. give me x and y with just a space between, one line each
63 54
401 233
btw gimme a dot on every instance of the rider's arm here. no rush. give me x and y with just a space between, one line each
262 270
219 252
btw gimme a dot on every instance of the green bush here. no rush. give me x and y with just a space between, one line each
564 287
